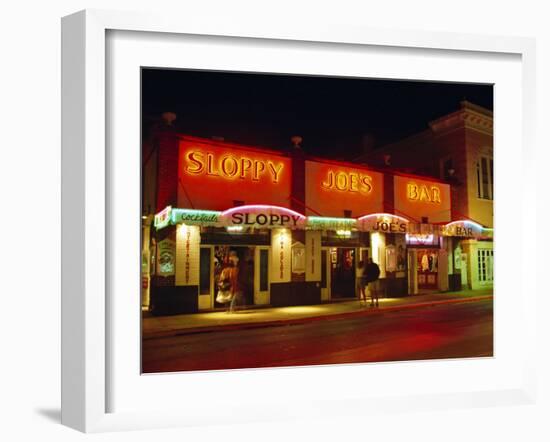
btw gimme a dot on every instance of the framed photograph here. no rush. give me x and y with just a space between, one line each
224 188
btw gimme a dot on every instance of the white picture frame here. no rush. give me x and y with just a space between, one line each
86 203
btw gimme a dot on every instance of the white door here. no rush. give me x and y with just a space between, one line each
261 276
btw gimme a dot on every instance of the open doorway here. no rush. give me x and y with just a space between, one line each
241 257
342 272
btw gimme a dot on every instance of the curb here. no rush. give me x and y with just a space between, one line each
298 321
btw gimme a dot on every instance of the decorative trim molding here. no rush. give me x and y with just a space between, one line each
470 116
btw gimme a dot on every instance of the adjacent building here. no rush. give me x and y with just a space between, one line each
456 148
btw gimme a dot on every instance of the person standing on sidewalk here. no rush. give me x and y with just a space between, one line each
372 273
361 283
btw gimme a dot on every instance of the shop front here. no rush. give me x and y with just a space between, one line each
428 202
342 246
471 249
296 229
251 260
343 194
283 258
277 260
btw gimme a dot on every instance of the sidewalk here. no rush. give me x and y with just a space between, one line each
163 326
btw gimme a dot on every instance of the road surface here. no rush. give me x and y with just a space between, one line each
446 331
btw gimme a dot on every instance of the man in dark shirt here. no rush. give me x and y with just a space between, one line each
371 274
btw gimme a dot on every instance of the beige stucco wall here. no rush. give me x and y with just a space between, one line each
478 144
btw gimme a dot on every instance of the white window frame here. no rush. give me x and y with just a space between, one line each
485 257
479 176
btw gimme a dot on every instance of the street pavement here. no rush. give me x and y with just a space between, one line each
448 330
154 327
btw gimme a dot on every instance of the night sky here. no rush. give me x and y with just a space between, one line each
331 114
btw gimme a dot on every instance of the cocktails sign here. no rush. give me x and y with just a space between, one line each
195 217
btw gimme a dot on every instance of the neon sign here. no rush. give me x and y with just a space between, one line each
263 219
262 216
190 216
390 227
420 238
348 182
231 166
169 216
422 198
463 228
383 222
421 192
332 189
328 223
162 219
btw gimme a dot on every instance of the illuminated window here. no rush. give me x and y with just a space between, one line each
485 178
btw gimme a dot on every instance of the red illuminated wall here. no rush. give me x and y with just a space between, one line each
331 189
213 175
417 198
166 175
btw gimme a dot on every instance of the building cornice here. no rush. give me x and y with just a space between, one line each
470 116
